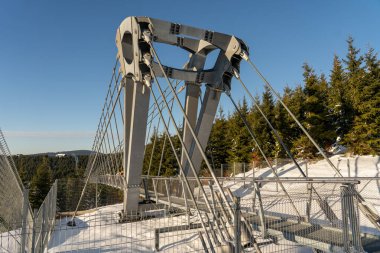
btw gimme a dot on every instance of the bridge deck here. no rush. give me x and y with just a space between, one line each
313 235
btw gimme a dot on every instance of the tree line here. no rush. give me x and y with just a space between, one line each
38 173
340 108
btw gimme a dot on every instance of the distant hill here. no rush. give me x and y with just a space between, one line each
68 153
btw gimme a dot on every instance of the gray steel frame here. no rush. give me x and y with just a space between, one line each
133 39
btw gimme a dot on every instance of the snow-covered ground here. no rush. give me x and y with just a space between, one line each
10 241
99 230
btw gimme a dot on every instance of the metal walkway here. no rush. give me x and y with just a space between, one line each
316 236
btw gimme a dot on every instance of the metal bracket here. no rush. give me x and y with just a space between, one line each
134 34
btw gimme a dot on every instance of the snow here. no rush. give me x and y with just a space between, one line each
357 166
10 241
99 231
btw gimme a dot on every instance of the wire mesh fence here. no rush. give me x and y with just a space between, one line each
170 226
14 206
31 233
11 190
321 215
95 195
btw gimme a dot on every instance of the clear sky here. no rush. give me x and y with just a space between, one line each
56 56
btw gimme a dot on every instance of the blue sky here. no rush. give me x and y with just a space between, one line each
56 56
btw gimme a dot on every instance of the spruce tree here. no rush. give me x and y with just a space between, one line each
219 141
355 74
241 144
316 122
339 102
263 131
365 134
283 123
295 100
40 183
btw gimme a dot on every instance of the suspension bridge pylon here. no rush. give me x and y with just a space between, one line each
139 65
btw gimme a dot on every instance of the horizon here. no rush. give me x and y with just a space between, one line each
56 68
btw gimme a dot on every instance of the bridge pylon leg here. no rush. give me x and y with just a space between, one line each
203 127
191 110
136 106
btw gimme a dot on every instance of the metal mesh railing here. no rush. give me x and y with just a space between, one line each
44 220
11 190
32 232
14 206
265 223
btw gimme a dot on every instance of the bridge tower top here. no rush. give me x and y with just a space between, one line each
134 52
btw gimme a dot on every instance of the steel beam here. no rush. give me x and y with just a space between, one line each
191 109
203 128
135 131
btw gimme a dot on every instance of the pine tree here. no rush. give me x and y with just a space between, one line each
40 183
365 134
339 101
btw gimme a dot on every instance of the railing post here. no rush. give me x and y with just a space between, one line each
25 208
261 211
147 198
43 225
244 174
199 193
344 204
237 227
254 189
354 219
55 200
168 193
276 168
96 194
310 198
213 203
155 182
157 239
34 231
234 172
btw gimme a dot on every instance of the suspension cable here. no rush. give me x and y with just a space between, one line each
191 129
279 139
155 136
181 168
164 144
96 154
261 151
293 116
